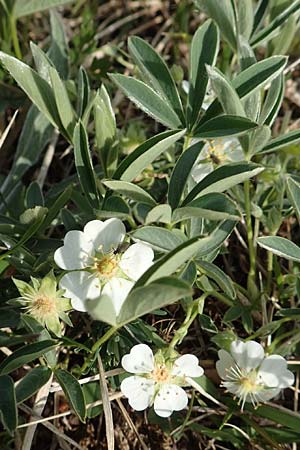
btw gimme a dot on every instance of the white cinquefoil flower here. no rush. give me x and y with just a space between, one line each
157 381
100 269
250 375
216 152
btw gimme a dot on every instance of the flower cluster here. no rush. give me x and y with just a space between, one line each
246 372
98 267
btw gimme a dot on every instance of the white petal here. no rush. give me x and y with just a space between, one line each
80 287
75 253
117 289
248 355
274 373
170 398
201 170
187 365
139 360
266 394
106 235
136 260
139 392
223 365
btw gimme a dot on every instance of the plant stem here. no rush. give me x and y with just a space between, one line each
14 36
191 315
96 347
270 272
252 252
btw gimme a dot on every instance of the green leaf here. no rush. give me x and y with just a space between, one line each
105 127
280 246
181 173
224 125
84 92
268 32
160 213
293 191
73 392
204 50
159 239
280 415
83 162
213 206
140 301
26 7
145 154
25 355
225 92
144 300
224 178
64 107
156 73
223 14
148 100
32 382
37 89
58 51
196 246
250 80
282 141
245 16
259 13
130 190
215 273
8 405
273 101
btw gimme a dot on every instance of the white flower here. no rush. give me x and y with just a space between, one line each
250 375
100 269
156 380
216 152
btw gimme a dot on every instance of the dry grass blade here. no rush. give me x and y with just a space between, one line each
39 405
131 424
109 424
7 129
50 427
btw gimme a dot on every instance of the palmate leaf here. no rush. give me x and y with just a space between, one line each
249 81
282 141
199 246
225 125
147 100
155 73
32 382
160 239
130 190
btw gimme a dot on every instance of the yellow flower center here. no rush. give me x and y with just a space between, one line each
107 266
216 152
160 374
249 385
42 306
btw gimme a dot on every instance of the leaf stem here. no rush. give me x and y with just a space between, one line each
252 252
97 346
14 36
